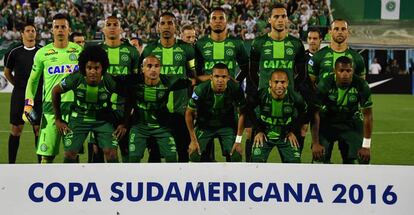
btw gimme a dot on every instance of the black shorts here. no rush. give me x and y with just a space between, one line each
17 106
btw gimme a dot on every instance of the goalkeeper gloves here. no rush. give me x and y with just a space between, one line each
29 113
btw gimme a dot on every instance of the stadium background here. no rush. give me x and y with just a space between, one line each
371 35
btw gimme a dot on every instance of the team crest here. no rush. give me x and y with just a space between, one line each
124 58
229 52
289 51
131 147
43 147
73 57
103 96
68 142
178 57
287 109
352 98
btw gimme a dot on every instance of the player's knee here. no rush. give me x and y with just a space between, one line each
70 155
16 130
111 155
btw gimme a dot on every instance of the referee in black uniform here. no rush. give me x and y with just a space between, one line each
18 64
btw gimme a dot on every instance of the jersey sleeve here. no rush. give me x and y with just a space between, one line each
191 61
195 98
70 82
35 75
300 59
321 92
242 58
360 69
313 66
135 60
9 60
365 95
254 62
199 58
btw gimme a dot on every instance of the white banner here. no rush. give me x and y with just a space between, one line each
218 188
390 9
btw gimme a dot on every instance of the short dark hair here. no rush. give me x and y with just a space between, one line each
218 9
313 29
93 53
220 66
61 16
343 60
28 24
339 20
167 13
277 6
75 34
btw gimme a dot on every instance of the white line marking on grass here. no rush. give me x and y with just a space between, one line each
393 132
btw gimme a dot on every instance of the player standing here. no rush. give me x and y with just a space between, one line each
55 61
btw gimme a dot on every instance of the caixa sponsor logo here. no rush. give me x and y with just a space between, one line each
61 69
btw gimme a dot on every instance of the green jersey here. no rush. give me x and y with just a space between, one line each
268 55
55 64
216 110
123 64
323 62
276 118
150 102
91 102
342 105
231 52
176 62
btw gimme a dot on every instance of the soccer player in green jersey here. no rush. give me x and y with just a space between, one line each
322 62
276 50
91 111
342 97
149 98
123 66
278 114
54 61
177 61
219 47
214 102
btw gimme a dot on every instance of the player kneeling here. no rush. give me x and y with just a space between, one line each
91 110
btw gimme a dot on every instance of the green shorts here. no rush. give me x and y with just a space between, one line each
49 137
349 135
138 137
288 153
226 137
80 129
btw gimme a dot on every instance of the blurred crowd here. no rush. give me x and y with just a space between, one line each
247 19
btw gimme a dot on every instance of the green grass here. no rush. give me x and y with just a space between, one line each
392 113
